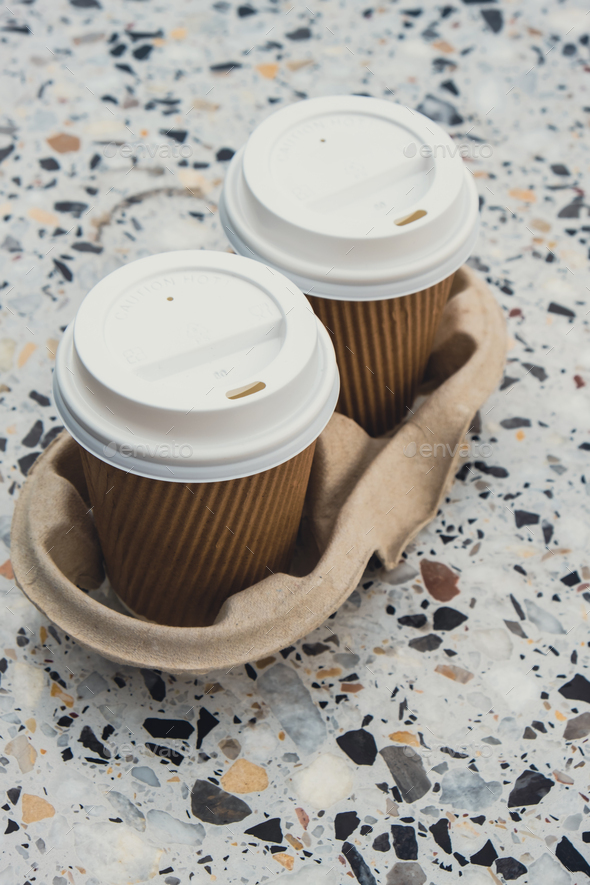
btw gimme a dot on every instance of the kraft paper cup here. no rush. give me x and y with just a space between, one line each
196 384
367 206
382 348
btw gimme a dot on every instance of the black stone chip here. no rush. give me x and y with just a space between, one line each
165 752
404 842
499 472
440 834
225 67
561 310
13 794
485 856
173 729
154 684
571 580
571 858
51 435
510 868
359 746
313 648
26 462
39 398
446 618
345 823
33 436
381 842
426 643
494 19
205 724
73 207
577 689
267 831
529 788
213 805
143 52
299 34
513 423
89 740
412 620
525 517
87 247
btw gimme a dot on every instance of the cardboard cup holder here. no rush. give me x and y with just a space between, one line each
358 483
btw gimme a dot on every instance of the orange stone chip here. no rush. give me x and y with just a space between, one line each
245 777
35 808
297 64
58 692
26 353
286 860
302 817
6 570
328 672
405 737
519 193
43 216
443 46
268 71
440 581
64 143
457 674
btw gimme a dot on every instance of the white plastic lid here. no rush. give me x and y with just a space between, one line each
352 197
195 366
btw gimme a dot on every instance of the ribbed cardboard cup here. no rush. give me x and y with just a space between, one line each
174 552
382 348
196 384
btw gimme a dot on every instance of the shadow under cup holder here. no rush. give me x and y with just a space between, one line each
357 483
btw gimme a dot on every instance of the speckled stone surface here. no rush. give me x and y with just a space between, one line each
450 697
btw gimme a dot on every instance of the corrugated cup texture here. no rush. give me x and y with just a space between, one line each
382 348
175 552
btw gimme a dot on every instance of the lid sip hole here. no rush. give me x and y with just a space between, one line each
248 389
170 298
408 219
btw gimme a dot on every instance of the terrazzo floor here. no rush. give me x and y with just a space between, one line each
435 729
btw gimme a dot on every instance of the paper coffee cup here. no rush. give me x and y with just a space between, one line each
196 384
368 207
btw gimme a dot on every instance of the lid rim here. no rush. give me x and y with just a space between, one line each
86 424
202 474
379 291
